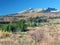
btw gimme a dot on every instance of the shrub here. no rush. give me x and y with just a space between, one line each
3 27
11 28
22 25
38 19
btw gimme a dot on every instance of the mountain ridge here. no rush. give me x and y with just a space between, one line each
37 10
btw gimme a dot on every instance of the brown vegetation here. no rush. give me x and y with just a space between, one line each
47 34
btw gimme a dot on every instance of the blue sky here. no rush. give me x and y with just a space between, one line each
13 6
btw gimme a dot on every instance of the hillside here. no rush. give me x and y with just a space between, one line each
17 17
48 12
30 28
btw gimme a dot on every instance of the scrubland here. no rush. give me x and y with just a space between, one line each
33 31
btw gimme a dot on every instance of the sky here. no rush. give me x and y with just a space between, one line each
14 6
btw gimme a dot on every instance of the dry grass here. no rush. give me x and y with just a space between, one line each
45 35
8 42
